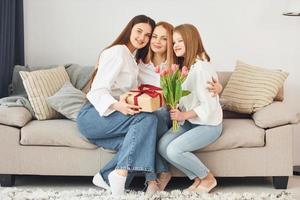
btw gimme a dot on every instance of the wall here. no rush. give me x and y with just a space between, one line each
74 31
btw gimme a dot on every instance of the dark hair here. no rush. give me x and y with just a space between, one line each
124 38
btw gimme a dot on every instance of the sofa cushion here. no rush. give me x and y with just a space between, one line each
14 116
276 114
238 133
67 101
41 84
224 77
58 132
250 88
79 76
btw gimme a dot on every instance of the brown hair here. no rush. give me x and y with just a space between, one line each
193 45
124 38
170 56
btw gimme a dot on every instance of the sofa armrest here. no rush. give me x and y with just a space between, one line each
276 114
14 116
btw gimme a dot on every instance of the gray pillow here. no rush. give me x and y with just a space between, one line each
67 101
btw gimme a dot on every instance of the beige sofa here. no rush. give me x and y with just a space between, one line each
259 145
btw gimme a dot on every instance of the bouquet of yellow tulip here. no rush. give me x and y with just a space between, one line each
171 79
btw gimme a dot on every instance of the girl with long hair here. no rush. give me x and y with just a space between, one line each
200 112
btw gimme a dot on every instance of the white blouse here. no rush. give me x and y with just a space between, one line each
207 107
117 74
147 74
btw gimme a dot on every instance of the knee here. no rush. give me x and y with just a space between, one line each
172 151
148 117
161 147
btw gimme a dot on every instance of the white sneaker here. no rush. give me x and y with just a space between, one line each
99 182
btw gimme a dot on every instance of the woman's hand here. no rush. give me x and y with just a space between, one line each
177 115
214 87
126 108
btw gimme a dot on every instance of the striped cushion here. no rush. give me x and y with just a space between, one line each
42 84
250 88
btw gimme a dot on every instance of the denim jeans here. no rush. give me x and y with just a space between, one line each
134 137
161 165
164 123
176 147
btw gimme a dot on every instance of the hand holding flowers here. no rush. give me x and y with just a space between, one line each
171 80
177 115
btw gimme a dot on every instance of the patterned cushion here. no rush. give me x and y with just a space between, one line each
41 84
250 88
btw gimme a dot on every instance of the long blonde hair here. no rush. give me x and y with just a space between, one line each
170 56
193 45
124 38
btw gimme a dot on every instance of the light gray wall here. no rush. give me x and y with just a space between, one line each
74 31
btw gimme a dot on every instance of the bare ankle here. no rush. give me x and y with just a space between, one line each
152 182
197 181
122 172
164 175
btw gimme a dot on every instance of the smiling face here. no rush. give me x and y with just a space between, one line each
178 44
159 39
140 35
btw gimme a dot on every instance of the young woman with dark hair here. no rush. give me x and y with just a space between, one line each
109 122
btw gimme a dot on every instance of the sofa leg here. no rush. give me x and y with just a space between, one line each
280 182
7 180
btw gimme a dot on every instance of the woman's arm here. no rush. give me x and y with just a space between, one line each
110 65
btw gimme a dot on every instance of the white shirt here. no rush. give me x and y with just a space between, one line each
147 74
200 100
117 74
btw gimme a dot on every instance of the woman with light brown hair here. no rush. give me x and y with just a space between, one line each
200 112
161 54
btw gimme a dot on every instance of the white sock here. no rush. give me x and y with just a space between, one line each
99 181
117 183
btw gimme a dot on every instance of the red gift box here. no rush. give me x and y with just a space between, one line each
148 97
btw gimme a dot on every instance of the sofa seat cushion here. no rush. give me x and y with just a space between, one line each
238 133
58 132
14 116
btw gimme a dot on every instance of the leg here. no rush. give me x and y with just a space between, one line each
7 180
114 143
179 150
95 127
163 125
137 152
168 138
139 133
101 178
280 182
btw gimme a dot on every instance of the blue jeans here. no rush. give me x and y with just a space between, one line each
134 137
161 165
176 147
